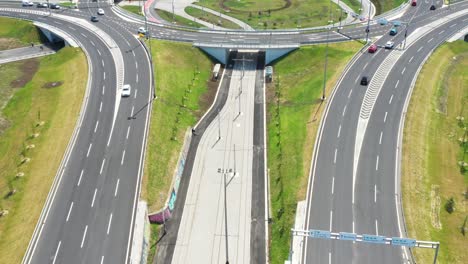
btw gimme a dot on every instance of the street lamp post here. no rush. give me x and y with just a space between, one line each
325 66
368 23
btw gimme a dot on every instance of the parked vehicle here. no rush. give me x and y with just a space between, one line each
432 7
42 5
142 30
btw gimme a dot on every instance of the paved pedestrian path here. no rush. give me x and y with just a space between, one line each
25 53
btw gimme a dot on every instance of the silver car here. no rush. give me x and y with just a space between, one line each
126 90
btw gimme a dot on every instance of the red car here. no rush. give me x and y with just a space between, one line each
413 2
372 48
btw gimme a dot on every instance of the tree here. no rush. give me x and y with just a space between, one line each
450 205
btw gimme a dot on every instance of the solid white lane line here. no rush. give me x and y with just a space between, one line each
377 163
385 118
350 92
123 157
102 259
390 101
79 180
96 126
57 251
104 75
99 52
344 110
102 165
333 185
380 139
100 107
398 82
376 227
136 92
94 197
334 159
84 236
331 219
103 89
420 48
375 193
133 108
110 221
69 211
128 132
116 187
403 71
339 132
89 149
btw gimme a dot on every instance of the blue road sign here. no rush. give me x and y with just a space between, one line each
373 239
347 236
407 242
319 234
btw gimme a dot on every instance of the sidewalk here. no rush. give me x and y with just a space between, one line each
24 53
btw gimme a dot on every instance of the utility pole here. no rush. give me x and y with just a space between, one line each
368 23
219 126
341 14
173 16
326 54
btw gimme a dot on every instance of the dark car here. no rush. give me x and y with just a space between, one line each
94 19
42 5
432 7
55 6
364 80
393 31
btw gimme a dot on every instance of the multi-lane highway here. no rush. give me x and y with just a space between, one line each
91 212
354 183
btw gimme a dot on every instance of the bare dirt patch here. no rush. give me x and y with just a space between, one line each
52 84
10 43
28 69
208 97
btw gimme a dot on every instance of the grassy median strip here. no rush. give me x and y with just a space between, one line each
294 110
432 150
277 14
211 18
31 151
177 20
132 9
177 66
17 33
382 6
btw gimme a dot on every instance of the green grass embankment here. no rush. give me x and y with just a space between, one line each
211 18
297 86
432 150
177 20
23 195
181 71
133 9
16 33
277 14
382 6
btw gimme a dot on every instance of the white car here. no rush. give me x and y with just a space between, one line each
100 12
126 90
28 3
142 30
389 44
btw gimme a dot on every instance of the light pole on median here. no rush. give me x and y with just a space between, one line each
368 23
